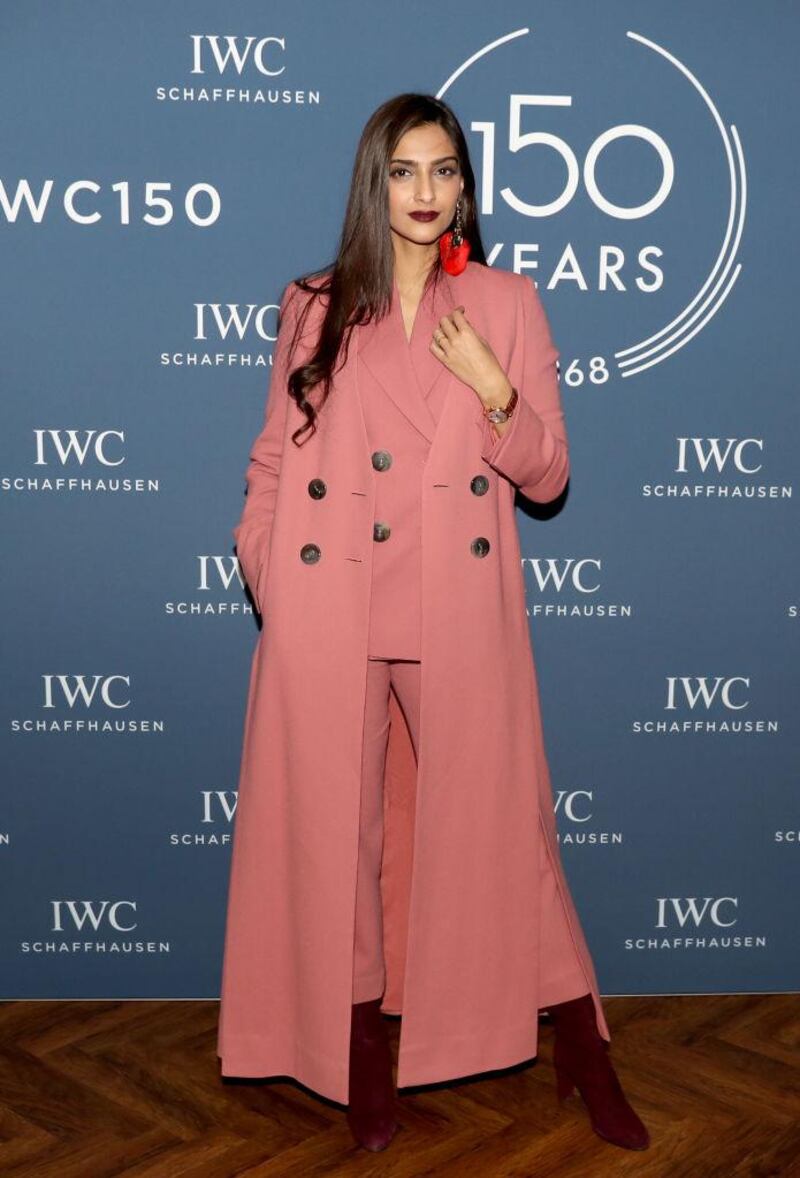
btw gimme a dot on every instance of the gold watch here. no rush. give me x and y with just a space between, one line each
501 415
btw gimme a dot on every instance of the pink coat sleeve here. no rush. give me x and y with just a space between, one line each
252 533
533 451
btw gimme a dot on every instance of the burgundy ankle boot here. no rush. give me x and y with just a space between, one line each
371 1111
581 1059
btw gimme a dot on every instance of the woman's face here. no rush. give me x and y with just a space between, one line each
424 176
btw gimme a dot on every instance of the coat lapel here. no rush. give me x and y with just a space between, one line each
408 372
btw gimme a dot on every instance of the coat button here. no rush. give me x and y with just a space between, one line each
317 488
381 459
479 546
310 553
479 485
381 531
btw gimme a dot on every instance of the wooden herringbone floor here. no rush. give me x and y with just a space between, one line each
94 1089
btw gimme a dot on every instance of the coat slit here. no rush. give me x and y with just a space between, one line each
399 809
565 916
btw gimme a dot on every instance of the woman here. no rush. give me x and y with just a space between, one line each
395 845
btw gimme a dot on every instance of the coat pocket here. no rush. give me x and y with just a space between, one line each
260 582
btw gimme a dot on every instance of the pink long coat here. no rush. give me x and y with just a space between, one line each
464 830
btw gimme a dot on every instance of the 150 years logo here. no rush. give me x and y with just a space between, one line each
514 143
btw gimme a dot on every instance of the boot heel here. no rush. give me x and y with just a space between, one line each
564 1085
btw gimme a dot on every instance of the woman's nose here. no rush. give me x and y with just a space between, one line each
424 189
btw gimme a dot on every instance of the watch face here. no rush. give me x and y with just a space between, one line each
498 415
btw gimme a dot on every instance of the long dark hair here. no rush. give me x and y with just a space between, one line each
358 285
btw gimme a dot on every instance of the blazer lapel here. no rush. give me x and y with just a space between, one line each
408 372
429 370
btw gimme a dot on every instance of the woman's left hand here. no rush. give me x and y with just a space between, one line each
470 357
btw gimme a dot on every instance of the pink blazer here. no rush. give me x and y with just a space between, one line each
398 450
401 416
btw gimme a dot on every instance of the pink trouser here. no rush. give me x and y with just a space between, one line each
561 976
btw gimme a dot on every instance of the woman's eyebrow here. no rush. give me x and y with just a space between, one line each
439 161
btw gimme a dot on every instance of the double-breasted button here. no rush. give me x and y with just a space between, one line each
479 485
317 488
381 459
310 553
479 546
380 531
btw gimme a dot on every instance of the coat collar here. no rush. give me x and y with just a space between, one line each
409 371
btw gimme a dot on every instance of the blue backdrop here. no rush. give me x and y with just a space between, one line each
164 171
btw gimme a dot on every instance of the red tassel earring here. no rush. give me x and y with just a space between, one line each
453 249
